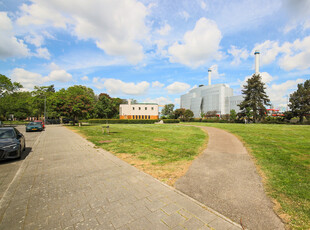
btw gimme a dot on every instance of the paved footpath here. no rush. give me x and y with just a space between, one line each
66 183
224 177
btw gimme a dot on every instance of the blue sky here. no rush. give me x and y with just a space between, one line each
155 50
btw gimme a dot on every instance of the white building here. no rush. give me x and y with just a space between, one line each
138 111
207 98
217 97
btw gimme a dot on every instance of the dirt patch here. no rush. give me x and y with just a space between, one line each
106 141
159 139
169 173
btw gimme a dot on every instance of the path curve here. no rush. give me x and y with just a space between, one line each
224 178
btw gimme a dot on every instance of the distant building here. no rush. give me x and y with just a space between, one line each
207 98
138 111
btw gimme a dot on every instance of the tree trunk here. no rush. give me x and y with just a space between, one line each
301 119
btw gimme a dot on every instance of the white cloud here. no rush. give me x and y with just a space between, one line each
159 100
26 78
10 46
157 84
184 15
161 45
116 86
269 51
177 101
199 45
115 26
164 30
59 75
297 56
238 54
42 53
85 78
278 93
215 74
203 5
177 87
266 77
30 79
35 39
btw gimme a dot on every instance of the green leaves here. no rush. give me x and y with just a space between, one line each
255 98
300 101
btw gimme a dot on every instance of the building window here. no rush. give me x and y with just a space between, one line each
139 117
139 108
133 108
142 116
149 117
152 108
145 108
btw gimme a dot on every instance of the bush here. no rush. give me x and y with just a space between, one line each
121 121
274 120
171 120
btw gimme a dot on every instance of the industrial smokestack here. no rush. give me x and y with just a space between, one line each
256 61
209 71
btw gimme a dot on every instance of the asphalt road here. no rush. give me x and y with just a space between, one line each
9 168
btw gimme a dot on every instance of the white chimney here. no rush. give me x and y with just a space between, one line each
209 71
256 53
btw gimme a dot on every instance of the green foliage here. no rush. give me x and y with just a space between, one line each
76 102
171 120
255 98
233 115
179 113
300 101
188 114
7 86
121 121
168 111
107 107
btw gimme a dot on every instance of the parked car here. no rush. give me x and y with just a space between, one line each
41 122
12 143
34 126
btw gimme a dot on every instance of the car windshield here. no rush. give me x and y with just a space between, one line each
32 123
6 133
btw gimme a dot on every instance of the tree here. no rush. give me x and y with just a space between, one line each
299 101
76 102
168 111
255 97
188 114
233 115
42 100
7 86
179 113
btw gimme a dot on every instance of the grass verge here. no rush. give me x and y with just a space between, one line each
282 153
163 151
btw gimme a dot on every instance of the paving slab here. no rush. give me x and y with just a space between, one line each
67 183
224 178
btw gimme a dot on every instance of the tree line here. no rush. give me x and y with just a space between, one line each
76 102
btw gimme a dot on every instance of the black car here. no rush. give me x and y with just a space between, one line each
12 143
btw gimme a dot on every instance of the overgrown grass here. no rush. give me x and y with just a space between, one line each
164 151
283 154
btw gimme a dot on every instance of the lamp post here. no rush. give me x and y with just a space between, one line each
44 109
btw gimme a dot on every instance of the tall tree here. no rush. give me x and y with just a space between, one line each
179 113
76 102
300 101
168 110
188 114
42 100
255 97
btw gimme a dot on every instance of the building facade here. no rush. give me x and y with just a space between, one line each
218 97
147 111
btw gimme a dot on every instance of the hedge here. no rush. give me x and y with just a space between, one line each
121 121
171 120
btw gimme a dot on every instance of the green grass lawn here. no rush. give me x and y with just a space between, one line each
163 151
282 152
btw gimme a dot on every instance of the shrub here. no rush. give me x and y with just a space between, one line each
121 121
171 120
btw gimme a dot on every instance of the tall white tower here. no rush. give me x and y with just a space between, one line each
209 72
256 53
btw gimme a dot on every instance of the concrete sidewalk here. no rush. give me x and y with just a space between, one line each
65 183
